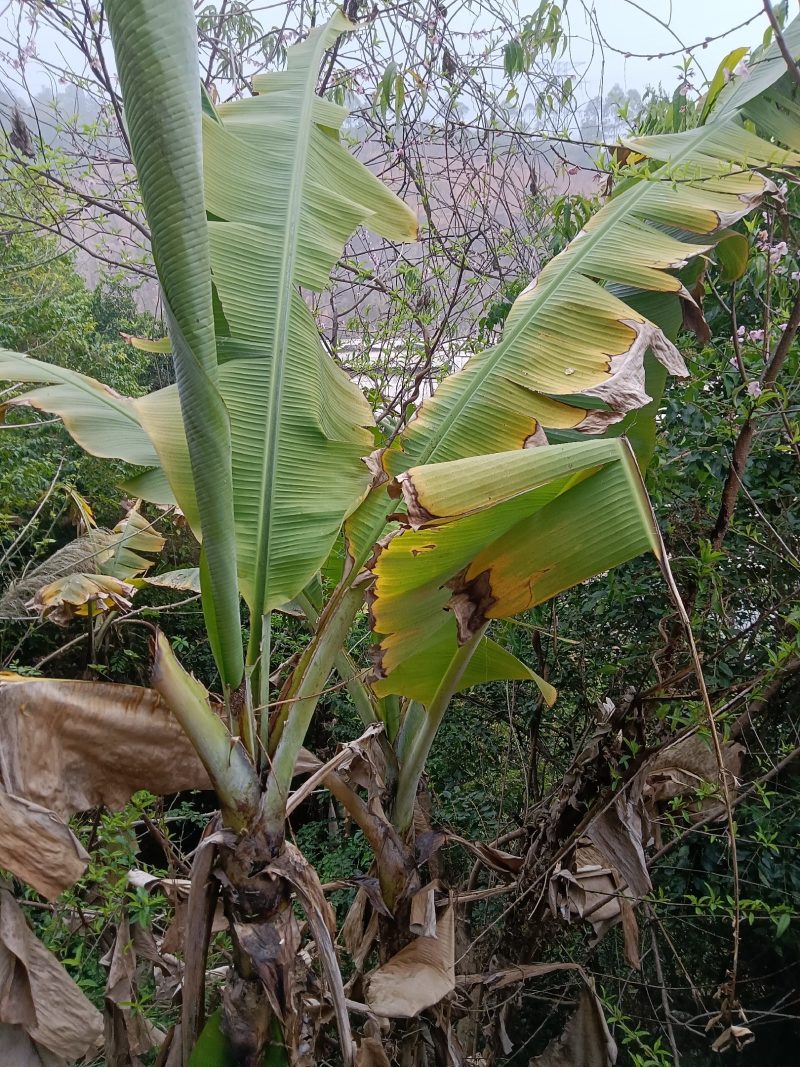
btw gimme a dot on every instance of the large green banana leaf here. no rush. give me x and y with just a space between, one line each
155 47
281 196
491 536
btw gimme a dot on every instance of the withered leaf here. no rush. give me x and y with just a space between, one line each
45 1014
423 911
586 1040
493 858
38 847
128 1034
370 1053
73 745
418 976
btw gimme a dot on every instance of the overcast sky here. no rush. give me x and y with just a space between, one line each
641 27
652 26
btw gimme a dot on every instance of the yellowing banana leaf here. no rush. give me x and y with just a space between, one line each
130 537
81 594
162 346
419 675
572 354
492 536
569 342
185 578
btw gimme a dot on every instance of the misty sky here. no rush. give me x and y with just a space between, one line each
636 26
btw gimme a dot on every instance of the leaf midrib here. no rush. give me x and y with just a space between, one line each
281 335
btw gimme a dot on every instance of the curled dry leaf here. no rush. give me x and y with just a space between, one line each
493 858
586 1040
128 1034
418 976
587 889
72 745
81 595
292 867
609 873
358 939
733 1037
423 911
176 890
44 1016
38 847
618 835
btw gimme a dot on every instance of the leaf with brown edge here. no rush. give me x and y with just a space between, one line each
492 536
44 1016
81 595
73 745
418 976
38 847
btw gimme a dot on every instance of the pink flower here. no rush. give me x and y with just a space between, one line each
755 335
741 70
740 333
777 252
754 389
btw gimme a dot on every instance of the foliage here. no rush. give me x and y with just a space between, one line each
503 767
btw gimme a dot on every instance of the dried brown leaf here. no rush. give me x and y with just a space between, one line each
38 847
128 1034
493 858
423 911
43 1010
418 976
73 745
370 1053
586 1040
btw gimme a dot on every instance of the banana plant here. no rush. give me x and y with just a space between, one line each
509 485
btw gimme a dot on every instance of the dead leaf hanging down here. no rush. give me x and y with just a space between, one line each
44 1016
128 1034
618 833
586 1040
418 976
72 745
176 890
272 948
292 867
520 972
74 575
356 760
733 1037
38 847
493 858
357 939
